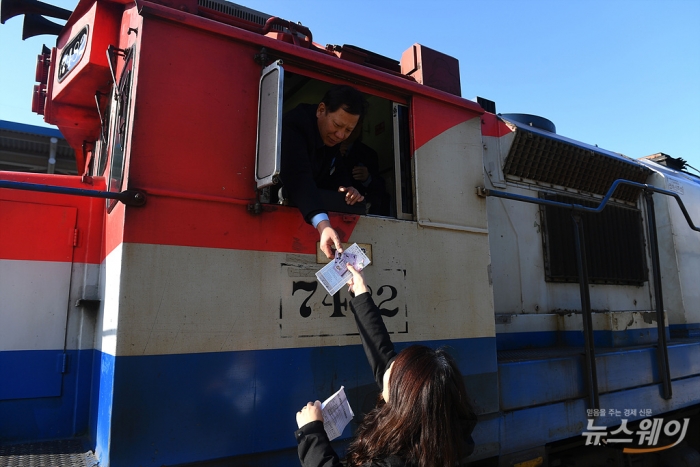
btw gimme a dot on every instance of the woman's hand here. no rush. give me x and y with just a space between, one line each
309 413
356 285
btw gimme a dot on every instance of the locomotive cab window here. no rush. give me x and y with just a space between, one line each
120 124
114 112
375 158
99 161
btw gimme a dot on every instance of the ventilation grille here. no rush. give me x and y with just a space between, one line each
557 162
236 15
614 243
237 11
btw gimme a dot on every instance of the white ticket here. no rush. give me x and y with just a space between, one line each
334 275
336 414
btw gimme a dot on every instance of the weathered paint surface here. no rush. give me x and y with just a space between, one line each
679 246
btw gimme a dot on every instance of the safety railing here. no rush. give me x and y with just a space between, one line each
128 197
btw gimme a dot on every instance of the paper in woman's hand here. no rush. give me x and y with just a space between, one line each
336 414
334 275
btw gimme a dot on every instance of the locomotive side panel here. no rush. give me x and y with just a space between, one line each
537 307
213 338
688 251
195 117
679 249
231 311
210 308
518 236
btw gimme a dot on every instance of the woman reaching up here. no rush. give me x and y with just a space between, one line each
423 417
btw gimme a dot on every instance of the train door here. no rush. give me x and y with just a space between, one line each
36 260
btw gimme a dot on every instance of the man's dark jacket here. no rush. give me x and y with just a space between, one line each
307 164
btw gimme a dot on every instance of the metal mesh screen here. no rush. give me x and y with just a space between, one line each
547 160
238 11
614 244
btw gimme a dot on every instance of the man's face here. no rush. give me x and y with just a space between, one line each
334 127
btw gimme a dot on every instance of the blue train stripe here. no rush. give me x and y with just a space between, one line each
532 382
180 408
522 429
29 374
542 339
174 409
60 410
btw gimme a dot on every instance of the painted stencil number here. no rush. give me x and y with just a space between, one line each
384 312
305 309
338 306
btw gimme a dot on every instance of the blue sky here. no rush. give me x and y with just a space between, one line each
622 74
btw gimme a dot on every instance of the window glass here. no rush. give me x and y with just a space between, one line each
402 154
122 103
267 162
102 151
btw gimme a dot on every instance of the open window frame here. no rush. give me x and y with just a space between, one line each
385 129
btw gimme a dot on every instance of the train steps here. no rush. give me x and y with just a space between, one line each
60 453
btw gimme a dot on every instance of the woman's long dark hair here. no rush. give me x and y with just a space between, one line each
427 418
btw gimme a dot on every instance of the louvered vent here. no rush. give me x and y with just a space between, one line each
553 160
614 243
235 10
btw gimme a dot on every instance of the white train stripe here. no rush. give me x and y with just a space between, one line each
33 304
175 300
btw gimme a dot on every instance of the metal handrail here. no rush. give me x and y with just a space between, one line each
482 191
127 197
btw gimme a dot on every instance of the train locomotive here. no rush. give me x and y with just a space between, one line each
162 307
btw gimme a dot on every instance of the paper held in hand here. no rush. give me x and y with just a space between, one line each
336 414
334 275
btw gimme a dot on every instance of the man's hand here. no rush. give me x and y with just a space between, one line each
329 238
310 413
360 173
352 196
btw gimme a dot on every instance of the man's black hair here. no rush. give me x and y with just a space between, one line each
346 97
